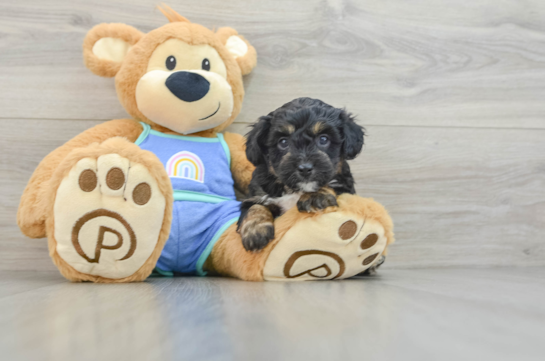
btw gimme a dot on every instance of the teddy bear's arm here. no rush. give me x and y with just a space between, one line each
31 215
241 168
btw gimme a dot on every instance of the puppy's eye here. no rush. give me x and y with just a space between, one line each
323 140
205 64
171 62
283 143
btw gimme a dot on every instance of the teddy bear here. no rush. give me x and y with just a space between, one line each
156 191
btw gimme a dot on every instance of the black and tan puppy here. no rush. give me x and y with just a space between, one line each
300 152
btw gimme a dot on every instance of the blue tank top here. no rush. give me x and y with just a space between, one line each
205 202
199 168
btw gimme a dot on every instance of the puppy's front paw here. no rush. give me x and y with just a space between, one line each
256 228
255 238
317 201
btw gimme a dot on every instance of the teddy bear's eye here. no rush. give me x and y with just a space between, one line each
205 64
171 62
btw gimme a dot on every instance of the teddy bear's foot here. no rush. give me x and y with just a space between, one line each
108 213
335 245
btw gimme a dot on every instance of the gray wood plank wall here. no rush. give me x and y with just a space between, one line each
452 95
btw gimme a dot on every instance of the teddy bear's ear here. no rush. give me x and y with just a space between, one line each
106 45
240 48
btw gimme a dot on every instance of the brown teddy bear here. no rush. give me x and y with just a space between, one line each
157 191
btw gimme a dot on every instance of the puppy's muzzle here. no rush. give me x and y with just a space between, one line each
305 170
187 86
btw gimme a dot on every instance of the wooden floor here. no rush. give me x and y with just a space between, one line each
432 314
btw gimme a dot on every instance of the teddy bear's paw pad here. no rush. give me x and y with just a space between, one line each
108 214
332 246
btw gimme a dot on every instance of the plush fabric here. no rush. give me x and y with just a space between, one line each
247 61
106 204
92 244
338 245
136 63
112 49
230 258
33 208
241 169
126 150
107 66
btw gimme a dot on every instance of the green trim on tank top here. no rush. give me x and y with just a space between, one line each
225 148
144 134
157 272
206 253
185 137
147 131
189 196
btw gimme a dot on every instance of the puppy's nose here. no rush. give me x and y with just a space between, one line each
187 86
305 169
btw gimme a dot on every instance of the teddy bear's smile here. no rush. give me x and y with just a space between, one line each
211 115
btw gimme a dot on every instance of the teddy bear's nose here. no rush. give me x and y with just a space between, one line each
187 86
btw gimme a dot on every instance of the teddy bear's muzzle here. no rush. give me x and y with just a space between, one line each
185 101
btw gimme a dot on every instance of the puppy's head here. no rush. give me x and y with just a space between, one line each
304 142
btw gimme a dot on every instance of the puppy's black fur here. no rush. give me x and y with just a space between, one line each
300 152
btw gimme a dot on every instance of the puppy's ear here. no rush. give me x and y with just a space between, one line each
353 136
255 141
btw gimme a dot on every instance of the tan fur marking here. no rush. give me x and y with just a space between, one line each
285 158
305 197
327 190
288 128
258 216
318 127
340 166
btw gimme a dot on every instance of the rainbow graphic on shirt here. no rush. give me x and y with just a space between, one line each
186 165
